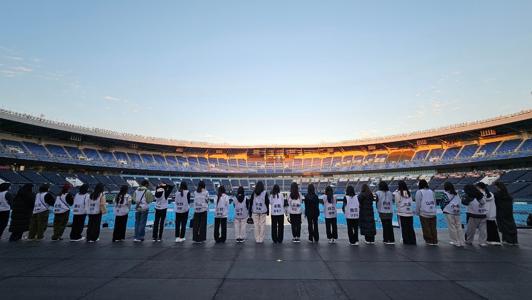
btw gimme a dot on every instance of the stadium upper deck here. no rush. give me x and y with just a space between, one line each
38 140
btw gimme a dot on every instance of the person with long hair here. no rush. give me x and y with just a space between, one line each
451 209
201 207
220 215
161 207
62 211
278 209
505 214
367 216
21 212
312 212
426 210
41 207
295 199
241 214
142 198
329 208
97 207
476 215
121 209
493 237
79 212
6 200
405 213
259 208
181 207
384 199
352 213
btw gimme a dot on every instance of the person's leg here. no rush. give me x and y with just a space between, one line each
328 225
224 230
216 232
42 224
293 225
433 230
274 228
493 232
195 228
90 228
451 228
243 229
4 219
310 228
425 227
184 220
256 218
355 230
236 223
482 231
161 224
33 227
156 221
203 233
97 226
298 226
472 225
137 225
334 228
459 231
262 226
15 236
351 230
281 228
316 230
142 226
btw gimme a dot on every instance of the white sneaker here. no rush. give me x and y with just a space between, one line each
354 244
369 243
484 245
137 241
494 243
389 243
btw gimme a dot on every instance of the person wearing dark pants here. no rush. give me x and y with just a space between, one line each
295 200
220 216
39 220
278 206
505 214
329 206
62 212
492 230
350 208
181 208
312 211
426 210
367 216
405 213
161 206
201 206
96 208
384 199
79 211
122 208
6 200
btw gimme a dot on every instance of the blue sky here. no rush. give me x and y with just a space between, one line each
261 72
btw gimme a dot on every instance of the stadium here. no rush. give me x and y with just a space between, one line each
36 150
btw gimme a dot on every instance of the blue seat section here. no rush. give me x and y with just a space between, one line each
36 149
435 154
488 148
107 156
420 155
527 146
74 152
14 146
57 151
450 153
468 151
509 146
92 154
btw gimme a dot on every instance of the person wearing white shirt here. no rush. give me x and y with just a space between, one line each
121 210
79 212
451 209
278 208
405 213
241 214
426 210
351 208
329 208
259 208
493 237
181 208
295 200
62 211
162 192
6 201
220 216
39 220
97 208
384 199
201 207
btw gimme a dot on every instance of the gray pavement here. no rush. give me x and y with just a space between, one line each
106 270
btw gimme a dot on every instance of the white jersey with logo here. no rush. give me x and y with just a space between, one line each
123 208
294 205
40 205
277 205
94 206
201 201
352 207
385 202
405 205
222 207
477 207
259 203
181 202
241 211
491 213
161 202
453 207
61 205
427 203
4 205
81 203
329 207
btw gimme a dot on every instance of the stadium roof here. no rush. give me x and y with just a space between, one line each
135 138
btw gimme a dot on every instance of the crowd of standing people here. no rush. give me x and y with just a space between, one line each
488 213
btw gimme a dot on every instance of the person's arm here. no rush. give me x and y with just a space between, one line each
418 199
344 204
134 198
168 190
148 196
188 198
250 207
70 199
9 198
267 202
49 199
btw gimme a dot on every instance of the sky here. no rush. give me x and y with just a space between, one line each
266 72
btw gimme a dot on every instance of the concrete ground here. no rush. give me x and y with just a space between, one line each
106 270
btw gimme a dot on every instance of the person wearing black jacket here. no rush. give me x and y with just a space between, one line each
6 200
62 211
21 211
39 219
505 214
367 216
312 211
